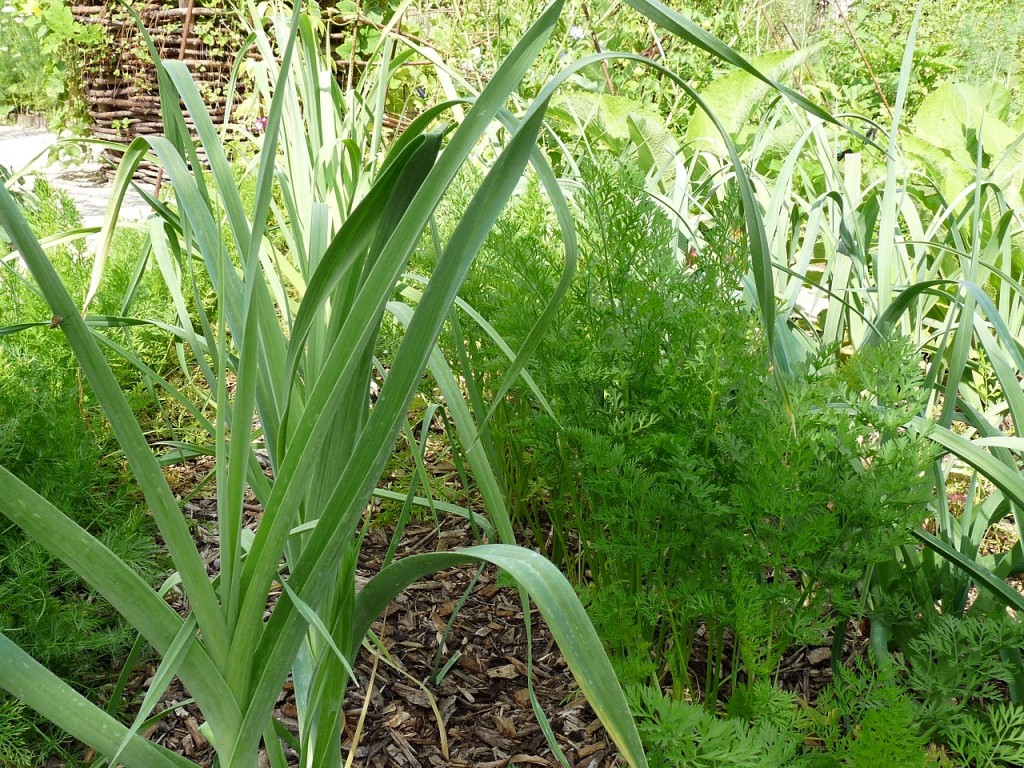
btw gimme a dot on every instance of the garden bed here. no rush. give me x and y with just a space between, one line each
479 713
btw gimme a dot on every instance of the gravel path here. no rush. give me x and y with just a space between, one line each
86 181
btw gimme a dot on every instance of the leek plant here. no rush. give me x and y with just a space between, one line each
301 372
287 356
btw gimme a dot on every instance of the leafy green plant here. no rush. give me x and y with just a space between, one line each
22 74
867 718
868 245
857 70
949 690
678 733
991 738
41 59
963 131
661 438
956 669
14 728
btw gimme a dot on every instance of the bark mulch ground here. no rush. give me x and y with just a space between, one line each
477 711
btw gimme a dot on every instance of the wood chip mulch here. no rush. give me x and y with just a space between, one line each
468 705
477 714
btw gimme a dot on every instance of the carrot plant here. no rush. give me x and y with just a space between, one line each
662 439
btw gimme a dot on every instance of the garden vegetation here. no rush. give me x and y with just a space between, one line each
725 337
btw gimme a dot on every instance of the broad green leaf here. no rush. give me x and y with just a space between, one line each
733 97
617 121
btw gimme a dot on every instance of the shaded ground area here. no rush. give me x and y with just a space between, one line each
479 715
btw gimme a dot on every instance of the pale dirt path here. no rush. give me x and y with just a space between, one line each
84 180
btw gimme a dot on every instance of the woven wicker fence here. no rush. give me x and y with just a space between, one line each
120 80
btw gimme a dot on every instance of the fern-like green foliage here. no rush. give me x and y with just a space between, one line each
678 733
867 718
956 668
705 513
989 739
14 735
53 439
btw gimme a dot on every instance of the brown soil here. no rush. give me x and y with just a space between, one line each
479 714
